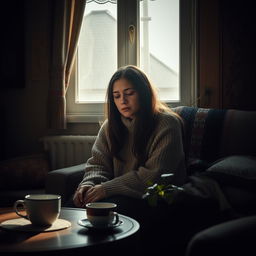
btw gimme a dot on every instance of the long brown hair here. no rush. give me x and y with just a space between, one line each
150 106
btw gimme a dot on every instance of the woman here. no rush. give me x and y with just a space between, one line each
140 140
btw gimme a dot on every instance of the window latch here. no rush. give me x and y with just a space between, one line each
131 31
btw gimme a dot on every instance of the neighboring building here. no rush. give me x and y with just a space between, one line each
98 58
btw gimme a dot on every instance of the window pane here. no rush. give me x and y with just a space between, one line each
97 51
159 51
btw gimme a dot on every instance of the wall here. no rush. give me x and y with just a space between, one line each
208 50
227 54
238 54
24 110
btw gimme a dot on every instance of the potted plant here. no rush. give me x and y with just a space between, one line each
161 192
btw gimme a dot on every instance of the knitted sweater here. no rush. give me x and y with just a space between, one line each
165 155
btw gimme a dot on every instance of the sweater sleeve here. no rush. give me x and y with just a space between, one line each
99 168
165 155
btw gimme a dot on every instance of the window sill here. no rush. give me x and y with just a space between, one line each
85 118
98 117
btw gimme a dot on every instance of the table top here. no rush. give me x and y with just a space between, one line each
73 237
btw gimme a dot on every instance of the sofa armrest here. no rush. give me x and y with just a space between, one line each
64 181
234 237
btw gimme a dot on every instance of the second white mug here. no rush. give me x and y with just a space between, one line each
102 214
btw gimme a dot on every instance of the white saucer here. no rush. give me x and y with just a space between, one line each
85 223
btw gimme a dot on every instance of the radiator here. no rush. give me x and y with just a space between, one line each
68 150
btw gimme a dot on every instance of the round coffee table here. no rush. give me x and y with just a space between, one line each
74 240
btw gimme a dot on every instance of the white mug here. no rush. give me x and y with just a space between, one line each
102 214
41 209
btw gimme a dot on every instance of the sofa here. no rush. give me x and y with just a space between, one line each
220 143
234 237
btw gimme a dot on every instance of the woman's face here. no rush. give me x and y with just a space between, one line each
125 98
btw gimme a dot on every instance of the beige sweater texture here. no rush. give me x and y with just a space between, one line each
165 155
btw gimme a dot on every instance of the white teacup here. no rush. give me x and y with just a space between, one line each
41 209
102 214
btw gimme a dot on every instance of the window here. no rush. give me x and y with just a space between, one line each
157 35
159 45
97 51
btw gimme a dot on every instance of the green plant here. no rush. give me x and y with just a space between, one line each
163 190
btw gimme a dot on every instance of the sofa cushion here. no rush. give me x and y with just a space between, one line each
238 136
26 172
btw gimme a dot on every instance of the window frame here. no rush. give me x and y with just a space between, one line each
129 54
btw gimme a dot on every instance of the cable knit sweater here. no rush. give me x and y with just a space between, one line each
165 155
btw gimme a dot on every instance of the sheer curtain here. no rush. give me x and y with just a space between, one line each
67 20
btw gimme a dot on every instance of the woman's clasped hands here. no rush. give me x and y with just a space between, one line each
87 194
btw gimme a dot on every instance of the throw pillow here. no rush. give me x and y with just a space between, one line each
26 172
235 170
237 178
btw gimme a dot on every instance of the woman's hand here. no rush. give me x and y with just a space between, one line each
87 194
79 197
95 193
